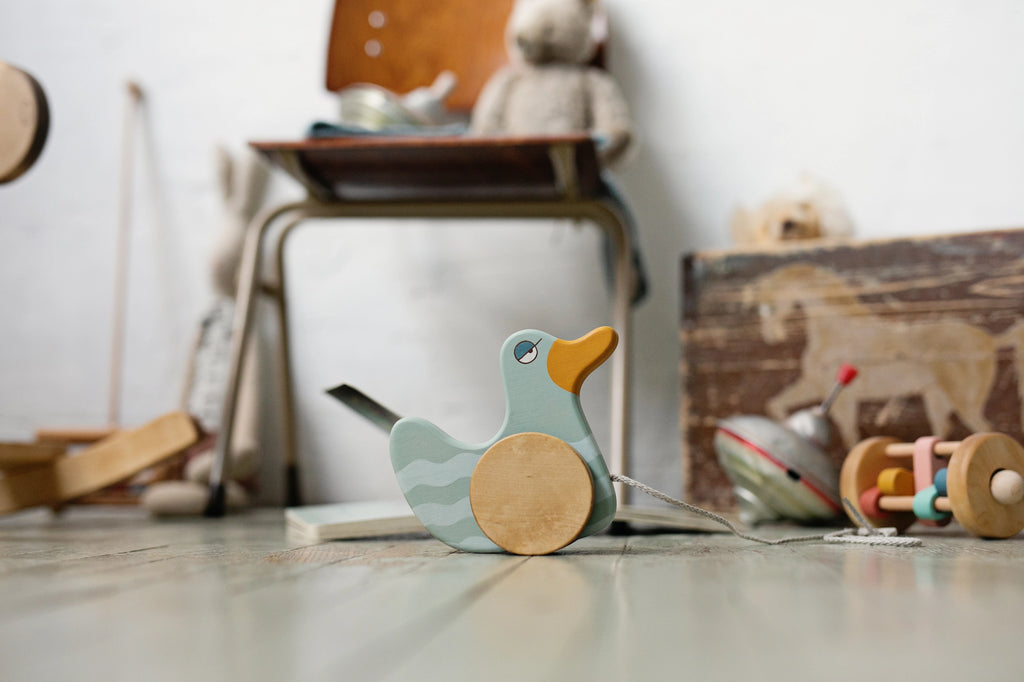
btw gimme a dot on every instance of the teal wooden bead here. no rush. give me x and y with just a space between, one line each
924 505
940 482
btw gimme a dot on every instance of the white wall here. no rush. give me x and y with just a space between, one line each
911 108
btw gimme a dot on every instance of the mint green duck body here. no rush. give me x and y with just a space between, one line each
542 377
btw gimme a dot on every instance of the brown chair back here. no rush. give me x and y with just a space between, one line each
405 44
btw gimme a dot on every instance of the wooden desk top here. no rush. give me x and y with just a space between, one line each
455 168
113 595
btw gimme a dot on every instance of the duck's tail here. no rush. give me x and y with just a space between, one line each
365 406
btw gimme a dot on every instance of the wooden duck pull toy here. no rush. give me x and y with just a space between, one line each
537 485
978 481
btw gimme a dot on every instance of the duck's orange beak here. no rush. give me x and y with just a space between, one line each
571 362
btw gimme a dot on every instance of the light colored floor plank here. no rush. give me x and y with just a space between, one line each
98 594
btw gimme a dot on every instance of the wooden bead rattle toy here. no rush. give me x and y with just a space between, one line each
978 481
537 485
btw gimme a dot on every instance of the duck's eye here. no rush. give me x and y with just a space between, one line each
526 351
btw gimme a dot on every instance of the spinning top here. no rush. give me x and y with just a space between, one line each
782 471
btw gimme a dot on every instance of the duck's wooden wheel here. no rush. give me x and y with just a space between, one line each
531 493
860 474
974 489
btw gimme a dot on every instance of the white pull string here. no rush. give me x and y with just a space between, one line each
867 534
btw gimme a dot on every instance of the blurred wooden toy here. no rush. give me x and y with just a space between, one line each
46 472
978 481
41 474
24 121
536 486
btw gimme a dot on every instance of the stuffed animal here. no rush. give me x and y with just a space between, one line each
243 183
807 210
549 86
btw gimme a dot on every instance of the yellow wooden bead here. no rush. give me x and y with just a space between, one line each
896 481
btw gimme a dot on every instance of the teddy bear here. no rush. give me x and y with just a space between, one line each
243 182
549 86
808 209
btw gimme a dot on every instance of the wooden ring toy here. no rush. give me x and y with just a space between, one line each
531 493
982 487
970 483
24 121
860 473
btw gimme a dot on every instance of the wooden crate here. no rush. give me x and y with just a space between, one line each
935 326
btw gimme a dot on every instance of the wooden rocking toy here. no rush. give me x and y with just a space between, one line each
40 474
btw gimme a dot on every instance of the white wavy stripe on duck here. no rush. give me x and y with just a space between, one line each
448 494
436 474
433 514
449 524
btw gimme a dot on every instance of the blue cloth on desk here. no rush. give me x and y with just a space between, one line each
613 196
609 192
321 129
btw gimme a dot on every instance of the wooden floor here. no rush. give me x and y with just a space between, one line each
110 595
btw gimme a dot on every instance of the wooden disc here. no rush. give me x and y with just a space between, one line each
860 472
531 493
24 121
969 481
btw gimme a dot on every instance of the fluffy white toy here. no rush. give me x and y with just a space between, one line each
809 209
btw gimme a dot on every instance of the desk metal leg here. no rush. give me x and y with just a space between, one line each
292 487
248 284
622 321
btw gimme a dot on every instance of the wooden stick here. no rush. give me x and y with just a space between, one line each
123 248
943 449
905 503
